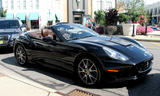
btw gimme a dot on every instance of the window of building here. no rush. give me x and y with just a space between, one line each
18 4
104 5
6 4
0 3
151 11
12 4
155 11
58 4
99 4
24 4
31 3
37 4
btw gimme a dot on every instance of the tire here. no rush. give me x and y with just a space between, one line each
21 55
88 72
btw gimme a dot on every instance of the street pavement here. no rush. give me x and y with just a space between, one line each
64 82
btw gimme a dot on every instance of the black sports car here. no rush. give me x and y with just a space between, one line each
80 50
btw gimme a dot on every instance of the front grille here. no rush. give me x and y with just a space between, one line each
144 65
3 37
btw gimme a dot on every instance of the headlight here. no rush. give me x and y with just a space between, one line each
115 55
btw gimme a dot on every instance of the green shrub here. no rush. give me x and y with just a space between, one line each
100 17
123 18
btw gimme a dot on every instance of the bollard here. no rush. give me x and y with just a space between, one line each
146 29
133 31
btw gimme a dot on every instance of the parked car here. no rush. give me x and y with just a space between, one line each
90 56
9 30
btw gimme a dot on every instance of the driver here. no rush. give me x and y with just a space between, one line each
48 32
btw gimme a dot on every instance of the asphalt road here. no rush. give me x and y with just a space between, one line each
65 82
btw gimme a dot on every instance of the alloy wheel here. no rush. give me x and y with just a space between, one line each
88 72
21 55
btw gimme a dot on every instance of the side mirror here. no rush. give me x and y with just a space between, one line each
49 40
23 28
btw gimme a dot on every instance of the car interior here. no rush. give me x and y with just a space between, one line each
43 33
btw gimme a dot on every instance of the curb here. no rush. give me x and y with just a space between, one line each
148 40
144 39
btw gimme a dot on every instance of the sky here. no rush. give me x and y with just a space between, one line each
150 1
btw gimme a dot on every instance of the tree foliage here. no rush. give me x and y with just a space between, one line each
100 17
111 17
3 14
135 8
123 18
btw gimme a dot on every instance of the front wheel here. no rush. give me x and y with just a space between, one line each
88 72
21 55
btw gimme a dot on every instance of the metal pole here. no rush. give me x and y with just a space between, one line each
133 31
146 29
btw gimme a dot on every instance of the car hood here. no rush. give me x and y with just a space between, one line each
130 49
9 31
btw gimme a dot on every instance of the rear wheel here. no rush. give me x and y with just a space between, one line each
88 72
21 55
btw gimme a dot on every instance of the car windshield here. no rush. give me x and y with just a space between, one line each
75 31
8 24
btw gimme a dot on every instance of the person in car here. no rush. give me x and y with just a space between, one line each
48 32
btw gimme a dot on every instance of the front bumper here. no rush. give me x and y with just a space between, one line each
128 71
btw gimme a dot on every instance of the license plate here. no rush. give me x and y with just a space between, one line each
1 42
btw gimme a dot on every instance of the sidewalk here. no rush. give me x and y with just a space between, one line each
10 86
151 37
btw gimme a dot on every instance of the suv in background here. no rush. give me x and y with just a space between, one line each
9 30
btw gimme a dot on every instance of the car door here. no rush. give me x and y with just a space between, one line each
59 54
62 54
39 49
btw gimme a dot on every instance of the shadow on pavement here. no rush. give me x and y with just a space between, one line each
148 86
53 73
6 50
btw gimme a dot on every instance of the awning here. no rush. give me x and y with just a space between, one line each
21 16
9 15
34 16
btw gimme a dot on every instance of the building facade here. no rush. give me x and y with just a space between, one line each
37 13
102 5
154 11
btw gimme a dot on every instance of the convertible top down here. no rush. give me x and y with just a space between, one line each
90 56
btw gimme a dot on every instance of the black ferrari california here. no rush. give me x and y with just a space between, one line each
90 56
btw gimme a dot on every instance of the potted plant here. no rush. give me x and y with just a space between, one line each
123 19
111 21
134 9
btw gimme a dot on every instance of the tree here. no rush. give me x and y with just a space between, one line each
135 8
123 18
3 14
100 17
